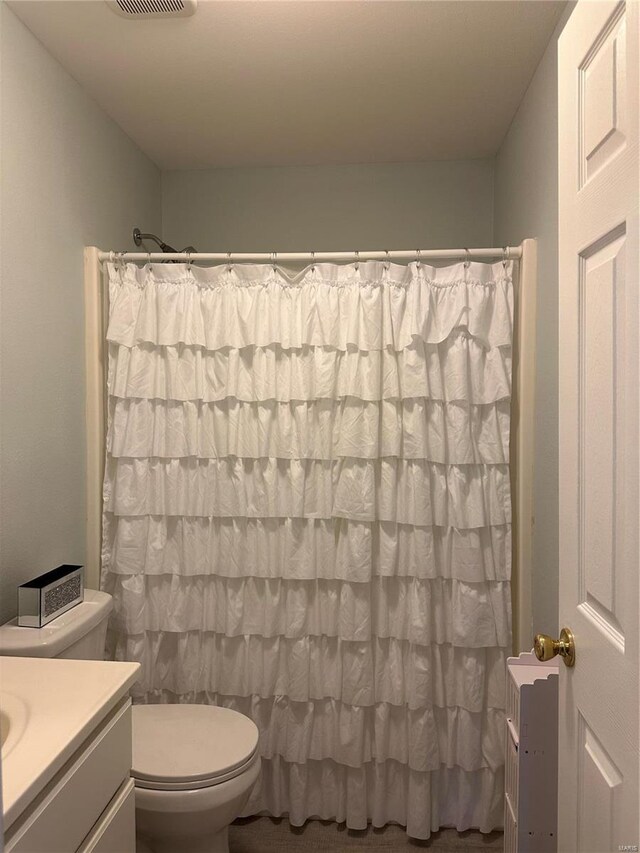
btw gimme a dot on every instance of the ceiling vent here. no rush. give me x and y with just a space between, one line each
153 8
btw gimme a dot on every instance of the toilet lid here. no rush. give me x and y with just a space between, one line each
177 744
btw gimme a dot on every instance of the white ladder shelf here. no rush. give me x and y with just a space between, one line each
531 779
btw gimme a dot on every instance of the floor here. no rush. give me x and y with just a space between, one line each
274 835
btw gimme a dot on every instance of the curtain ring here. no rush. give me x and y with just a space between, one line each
149 258
357 263
505 257
229 262
274 256
189 261
313 261
467 262
387 264
418 258
120 261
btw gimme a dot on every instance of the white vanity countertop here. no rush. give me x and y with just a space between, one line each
54 705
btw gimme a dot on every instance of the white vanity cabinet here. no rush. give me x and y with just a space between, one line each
88 805
67 755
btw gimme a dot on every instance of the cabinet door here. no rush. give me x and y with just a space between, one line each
67 809
116 829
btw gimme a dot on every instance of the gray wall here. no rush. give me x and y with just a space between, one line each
324 208
526 205
70 178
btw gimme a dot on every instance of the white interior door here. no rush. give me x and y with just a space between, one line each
598 75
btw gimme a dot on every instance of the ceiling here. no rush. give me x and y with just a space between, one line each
266 82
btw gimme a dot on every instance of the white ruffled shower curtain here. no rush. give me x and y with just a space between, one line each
307 519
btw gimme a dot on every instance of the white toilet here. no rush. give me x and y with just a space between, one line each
194 765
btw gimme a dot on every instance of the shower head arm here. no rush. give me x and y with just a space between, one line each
138 237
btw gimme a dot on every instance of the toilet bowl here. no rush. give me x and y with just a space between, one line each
193 767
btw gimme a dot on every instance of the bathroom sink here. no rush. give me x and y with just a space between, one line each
13 721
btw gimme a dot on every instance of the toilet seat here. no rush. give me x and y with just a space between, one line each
188 747
161 785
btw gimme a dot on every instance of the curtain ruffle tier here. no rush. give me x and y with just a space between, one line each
307 518
332 306
360 673
304 548
459 369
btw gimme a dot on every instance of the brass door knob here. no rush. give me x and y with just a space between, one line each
546 647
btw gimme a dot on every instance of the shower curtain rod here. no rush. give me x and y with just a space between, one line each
507 253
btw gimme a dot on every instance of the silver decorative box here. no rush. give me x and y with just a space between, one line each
49 595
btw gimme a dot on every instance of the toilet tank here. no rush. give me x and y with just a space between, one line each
80 633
